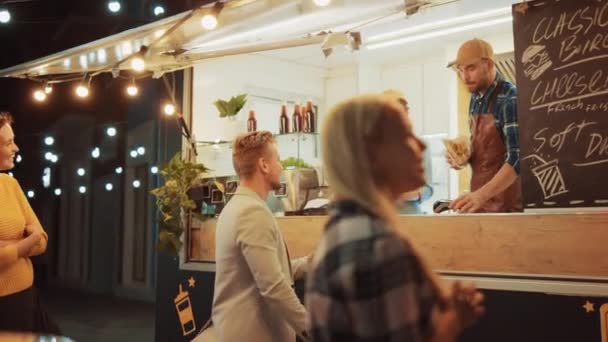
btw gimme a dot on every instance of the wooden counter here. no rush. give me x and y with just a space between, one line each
564 246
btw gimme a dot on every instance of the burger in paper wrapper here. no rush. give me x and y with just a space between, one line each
458 150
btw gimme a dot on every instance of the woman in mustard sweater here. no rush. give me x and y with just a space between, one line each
21 236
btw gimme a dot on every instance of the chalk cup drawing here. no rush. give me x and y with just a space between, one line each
536 61
549 177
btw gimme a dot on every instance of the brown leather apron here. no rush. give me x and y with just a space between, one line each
488 153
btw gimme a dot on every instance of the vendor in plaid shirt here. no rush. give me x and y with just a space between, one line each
494 159
368 283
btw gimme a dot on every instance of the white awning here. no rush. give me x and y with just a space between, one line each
179 41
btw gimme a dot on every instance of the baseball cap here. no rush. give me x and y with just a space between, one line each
472 50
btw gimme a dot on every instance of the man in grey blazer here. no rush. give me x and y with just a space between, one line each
254 299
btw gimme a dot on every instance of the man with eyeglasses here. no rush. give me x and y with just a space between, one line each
494 156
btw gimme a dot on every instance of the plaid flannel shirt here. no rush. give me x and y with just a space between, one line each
366 284
505 114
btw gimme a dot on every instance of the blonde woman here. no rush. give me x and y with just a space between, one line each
21 237
368 283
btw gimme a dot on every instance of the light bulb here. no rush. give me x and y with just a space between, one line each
111 131
132 90
49 141
141 150
81 172
154 170
109 186
114 6
136 184
5 16
82 189
169 109
209 21
57 192
95 153
322 3
158 10
48 155
133 154
138 64
118 170
39 95
30 194
48 89
82 91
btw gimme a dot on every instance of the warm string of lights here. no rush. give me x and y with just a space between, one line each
52 158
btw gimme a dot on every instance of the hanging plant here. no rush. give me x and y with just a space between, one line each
231 107
173 201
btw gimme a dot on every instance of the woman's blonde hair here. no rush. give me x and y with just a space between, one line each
345 138
346 134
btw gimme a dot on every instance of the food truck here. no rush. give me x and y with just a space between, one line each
544 271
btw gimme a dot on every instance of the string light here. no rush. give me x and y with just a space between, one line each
109 186
133 154
95 153
136 184
132 89
158 10
5 15
39 95
57 192
169 109
209 20
82 189
154 170
54 159
114 6
322 3
82 91
118 170
49 141
18 158
31 194
141 150
81 172
48 88
48 155
111 131
138 64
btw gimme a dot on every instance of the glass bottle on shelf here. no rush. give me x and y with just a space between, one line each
305 127
252 123
310 116
297 119
284 120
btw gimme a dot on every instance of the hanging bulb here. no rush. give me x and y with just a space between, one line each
48 88
5 15
138 64
209 21
322 3
39 95
132 90
169 109
82 91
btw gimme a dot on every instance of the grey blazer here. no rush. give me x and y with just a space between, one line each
253 298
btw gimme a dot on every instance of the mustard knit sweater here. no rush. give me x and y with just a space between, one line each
16 274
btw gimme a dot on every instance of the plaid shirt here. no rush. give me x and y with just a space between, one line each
505 114
366 284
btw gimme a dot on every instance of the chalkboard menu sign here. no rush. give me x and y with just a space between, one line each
561 56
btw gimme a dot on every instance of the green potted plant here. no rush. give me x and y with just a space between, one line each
229 109
173 201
